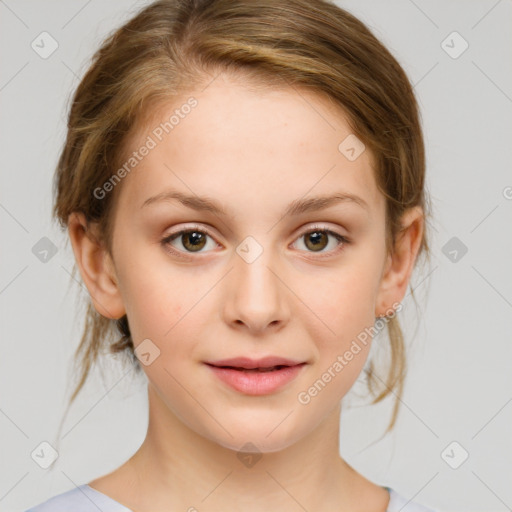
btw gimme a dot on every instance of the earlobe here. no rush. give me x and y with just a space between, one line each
96 267
400 264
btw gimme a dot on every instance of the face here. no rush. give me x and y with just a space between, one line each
244 268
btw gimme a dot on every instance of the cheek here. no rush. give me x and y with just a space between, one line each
345 300
154 301
155 315
345 304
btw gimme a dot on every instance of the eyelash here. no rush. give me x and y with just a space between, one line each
344 241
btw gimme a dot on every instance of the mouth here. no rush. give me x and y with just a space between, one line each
256 377
254 370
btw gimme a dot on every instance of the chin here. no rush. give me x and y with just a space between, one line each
247 444
252 436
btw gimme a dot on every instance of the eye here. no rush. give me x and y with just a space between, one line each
194 239
191 240
317 239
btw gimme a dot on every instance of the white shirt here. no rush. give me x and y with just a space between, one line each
86 499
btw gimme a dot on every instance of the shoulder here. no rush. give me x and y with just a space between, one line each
81 499
399 503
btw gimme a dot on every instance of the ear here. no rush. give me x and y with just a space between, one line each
400 264
96 267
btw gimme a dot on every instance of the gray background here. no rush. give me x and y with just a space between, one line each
460 384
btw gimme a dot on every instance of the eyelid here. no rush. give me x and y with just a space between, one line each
320 227
193 227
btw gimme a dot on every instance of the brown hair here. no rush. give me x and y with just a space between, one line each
171 46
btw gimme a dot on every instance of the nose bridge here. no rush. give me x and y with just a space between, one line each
257 296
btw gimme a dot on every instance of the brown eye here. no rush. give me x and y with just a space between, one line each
193 240
316 240
188 241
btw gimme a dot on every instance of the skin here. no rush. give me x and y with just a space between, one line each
254 151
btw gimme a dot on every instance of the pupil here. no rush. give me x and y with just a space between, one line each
194 239
316 237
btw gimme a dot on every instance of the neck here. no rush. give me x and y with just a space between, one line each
180 469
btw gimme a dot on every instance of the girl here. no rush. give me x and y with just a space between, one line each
243 187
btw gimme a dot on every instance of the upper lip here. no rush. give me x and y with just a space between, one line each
248 363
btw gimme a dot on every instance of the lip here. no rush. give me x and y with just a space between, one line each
242 374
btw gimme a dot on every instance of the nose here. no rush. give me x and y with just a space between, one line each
256 295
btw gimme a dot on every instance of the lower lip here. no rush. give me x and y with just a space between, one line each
257 383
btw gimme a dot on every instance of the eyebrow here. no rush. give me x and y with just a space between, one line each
297 207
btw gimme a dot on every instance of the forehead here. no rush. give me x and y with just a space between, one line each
249 147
